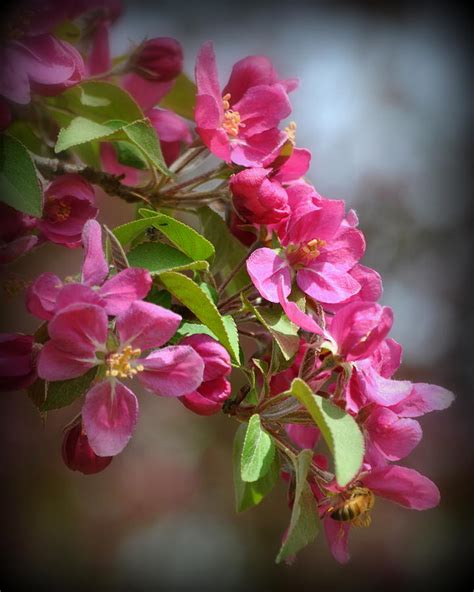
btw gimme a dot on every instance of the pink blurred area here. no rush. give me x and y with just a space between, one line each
383 105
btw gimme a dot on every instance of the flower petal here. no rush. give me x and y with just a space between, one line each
172 371
145 325
403 486
395 437
124 288
295 314
42 294
80 329
266 268
326 283
94 268
422 399
56 364
337 536
109 417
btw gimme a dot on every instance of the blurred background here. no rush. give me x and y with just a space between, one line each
385 106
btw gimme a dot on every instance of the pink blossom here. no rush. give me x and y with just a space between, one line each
258 199
15 234
422 399
159 59
17 361
78 455
80 340
240 123
172 130
208 398
147 93
69 204
48 293
400 485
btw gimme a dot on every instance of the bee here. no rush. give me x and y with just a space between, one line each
354 507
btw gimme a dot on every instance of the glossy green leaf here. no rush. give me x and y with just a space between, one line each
19 185
229 250
24 133
248 495
304 522
143 135
339 429
258 451
181 98
198 302
62 393
129 155
82 130
158 257
187 328
283 331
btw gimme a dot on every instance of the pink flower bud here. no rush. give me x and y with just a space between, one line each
17 367
79 456
159 59
15 234
257 199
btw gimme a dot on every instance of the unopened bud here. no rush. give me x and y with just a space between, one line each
79 456
159 59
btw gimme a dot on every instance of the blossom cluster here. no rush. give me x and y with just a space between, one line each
156 310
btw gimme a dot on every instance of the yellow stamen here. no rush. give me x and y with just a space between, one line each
119 363
290 130
306 252
58 211
231 123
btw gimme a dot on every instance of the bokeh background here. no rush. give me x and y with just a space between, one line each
385 105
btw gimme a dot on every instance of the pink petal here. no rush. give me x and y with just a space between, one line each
56 364
345 251
295 314
77 294
305 436
172 371
389 357
201 405
207 80
42 294
80 329
109 417
169 126
327 283
394 437
262 108
321 221
266 268
99 57
112 165
403 486
124 288
295 167
147 93
422 399
378 389
216 358
145 325
94 268
337 536
259 149
251 71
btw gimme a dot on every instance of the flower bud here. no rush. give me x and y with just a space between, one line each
257 199
79 456
159 59
17 367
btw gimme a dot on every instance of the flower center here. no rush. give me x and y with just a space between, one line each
231 121
120 364
58 211
290 131
303 254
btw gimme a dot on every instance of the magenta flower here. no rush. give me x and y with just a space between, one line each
159 59
81 340
208 398
240 123
400 485
69 204
17 361
48 293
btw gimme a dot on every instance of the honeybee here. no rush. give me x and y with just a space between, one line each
354 506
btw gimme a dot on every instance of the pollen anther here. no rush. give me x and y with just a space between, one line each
119 363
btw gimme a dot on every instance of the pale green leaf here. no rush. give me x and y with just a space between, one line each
181 98
258 451
143 135
82 130
158 257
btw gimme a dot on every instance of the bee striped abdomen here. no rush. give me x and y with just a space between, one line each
356 508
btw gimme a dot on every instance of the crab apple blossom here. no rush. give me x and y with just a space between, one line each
80 340
48 293
17 361
208 398
159 59
78 455
239 124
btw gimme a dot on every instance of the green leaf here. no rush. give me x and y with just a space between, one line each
24 133
187 328
129 155
181 98
158 257
160 297
283 331
19 185
257 453
248 495
198 302
63 392
143 135
229 250
82 130
304 522
183 237
98 101
340 431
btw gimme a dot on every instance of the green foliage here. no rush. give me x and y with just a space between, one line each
198 302
248 495
182 97
158 257
143 135
229 250
283 331
62 393
304 522
257 453
339 430
19 185
129 155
